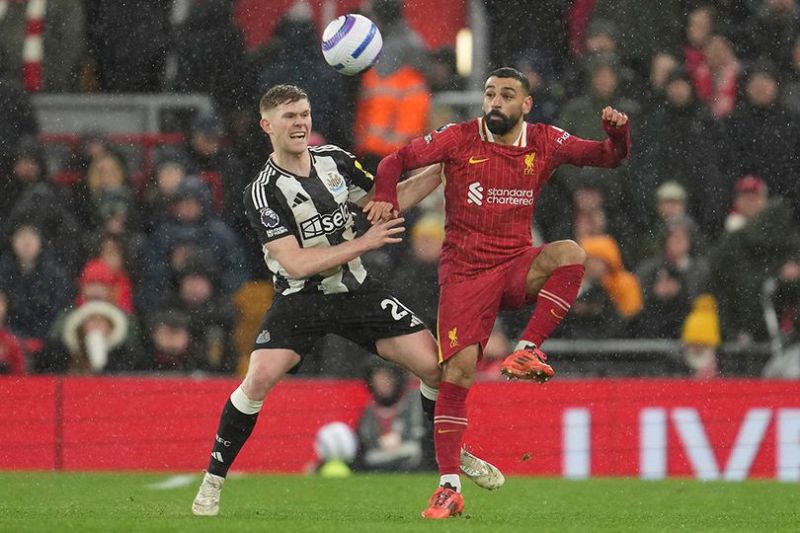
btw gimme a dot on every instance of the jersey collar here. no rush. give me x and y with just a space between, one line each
486 135
271 162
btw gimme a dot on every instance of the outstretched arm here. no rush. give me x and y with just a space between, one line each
608 153
420 184
410 192
436 147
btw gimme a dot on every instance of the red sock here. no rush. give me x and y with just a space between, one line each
553 302
449 425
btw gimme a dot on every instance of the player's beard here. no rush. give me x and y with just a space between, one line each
498 122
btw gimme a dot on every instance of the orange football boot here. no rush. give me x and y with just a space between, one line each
529 363
444 503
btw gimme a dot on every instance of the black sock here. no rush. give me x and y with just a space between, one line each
428 462
428 406
234 429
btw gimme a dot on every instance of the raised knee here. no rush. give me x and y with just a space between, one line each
570 253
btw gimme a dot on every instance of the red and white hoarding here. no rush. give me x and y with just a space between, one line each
726 429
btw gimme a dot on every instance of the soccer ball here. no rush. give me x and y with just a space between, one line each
336 442
351 44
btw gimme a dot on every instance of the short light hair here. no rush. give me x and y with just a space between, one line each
281 94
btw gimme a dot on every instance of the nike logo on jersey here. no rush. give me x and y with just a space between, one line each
556 315
440 431
474 161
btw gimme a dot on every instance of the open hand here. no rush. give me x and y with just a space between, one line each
384 232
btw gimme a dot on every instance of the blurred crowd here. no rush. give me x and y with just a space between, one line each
105 270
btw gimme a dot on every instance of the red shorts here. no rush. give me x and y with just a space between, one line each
468 309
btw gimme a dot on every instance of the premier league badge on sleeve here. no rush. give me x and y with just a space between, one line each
269 218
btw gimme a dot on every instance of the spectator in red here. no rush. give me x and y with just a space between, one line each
716 80
119 222
12 357
750 198
108 268
700 26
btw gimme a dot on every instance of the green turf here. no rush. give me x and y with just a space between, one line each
55 502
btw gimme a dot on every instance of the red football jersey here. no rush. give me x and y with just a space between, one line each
491 189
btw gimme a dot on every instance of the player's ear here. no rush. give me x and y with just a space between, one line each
265 124
527 104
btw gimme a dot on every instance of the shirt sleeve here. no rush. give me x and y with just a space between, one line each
266 216
435 147
359 180
572 150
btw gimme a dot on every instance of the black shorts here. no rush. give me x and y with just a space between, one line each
371 313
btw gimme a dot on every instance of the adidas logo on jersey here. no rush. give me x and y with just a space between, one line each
475 193
299 199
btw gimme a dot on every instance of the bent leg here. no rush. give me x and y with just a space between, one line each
416 352
554 279
267 367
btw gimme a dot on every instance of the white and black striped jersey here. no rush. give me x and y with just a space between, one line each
315 209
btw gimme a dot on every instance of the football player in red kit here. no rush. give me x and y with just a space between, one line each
495 168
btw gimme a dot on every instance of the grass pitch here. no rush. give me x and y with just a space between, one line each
55 502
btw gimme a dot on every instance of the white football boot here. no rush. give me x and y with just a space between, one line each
206 503
485 475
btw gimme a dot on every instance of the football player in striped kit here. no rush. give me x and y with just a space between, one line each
495 168
299 207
